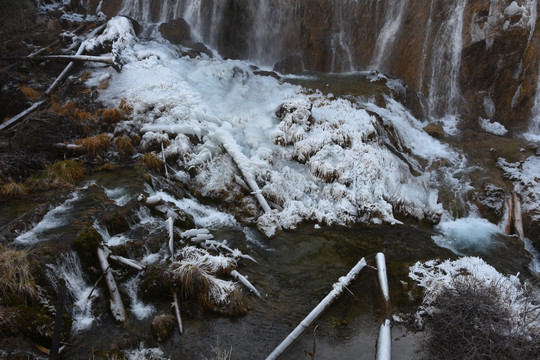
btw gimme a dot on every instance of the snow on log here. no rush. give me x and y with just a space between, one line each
242 162
383 279
194 232
72 147
177 311
129 262
153 200
117 308
508 215
70 66
199 238
384 342
216 245
319 309
518 223
235 274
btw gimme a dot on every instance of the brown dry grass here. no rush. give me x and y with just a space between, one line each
15 274
112 116
95 145
125 146
104 85
125 107
66 172
151 161
31 94
13 190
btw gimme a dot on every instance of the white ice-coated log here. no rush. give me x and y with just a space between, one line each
117 307
199 238
242 162
177 312
383 279
194 232
216 245
170 224
323 305
384 342
129 262
518 223
235 274
153 200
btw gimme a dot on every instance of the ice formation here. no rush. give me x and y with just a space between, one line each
312 157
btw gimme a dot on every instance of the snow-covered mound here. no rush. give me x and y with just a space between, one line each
229 133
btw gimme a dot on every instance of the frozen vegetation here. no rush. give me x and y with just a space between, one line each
312 157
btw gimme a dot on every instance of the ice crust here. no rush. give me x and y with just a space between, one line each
327 160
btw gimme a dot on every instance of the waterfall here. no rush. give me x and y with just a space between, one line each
443 89
69 269
393 19
137 9
341 44
534 123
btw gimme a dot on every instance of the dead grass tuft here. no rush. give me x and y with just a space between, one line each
95 145
15 274
112 116
62 173
81 115
104 85
125 146
31 94
151 161
125 107
13 190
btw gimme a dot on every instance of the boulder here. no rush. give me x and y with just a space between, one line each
176 31
435 130
292 64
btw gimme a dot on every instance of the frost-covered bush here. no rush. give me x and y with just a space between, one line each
476 312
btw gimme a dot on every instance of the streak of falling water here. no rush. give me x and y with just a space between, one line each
393 19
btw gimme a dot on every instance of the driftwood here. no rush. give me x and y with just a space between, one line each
509 215
170 228
177 311
54 85
384 342
109 60
383 279
117 307
338 288
129 262
21 115
216 245
72 147
235 274
194 232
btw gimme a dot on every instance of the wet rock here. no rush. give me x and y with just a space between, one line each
194 50
491 202
435 130
176 31
292 64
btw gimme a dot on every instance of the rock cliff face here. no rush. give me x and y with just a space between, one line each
478 59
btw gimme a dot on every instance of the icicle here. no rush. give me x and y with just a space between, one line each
323 305
164 161
235 274
383 279
384 342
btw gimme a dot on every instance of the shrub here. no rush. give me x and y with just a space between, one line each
472 321
151 161
13 190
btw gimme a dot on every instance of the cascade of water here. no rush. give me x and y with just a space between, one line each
137 9
443 88
341 44
69 269
393 19
534 123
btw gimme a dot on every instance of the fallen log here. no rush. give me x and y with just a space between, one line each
235 274
338 288
21 115
216 245
383 279
109 60
384 342
170 228
194 232
241 162
509 215
129 262
117 307
72 147
177 311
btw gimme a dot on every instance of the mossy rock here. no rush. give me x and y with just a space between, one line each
86 244
154 284
116 222
162 326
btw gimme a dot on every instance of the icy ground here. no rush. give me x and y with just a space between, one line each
312 157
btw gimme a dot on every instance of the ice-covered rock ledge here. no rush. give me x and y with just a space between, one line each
311 157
